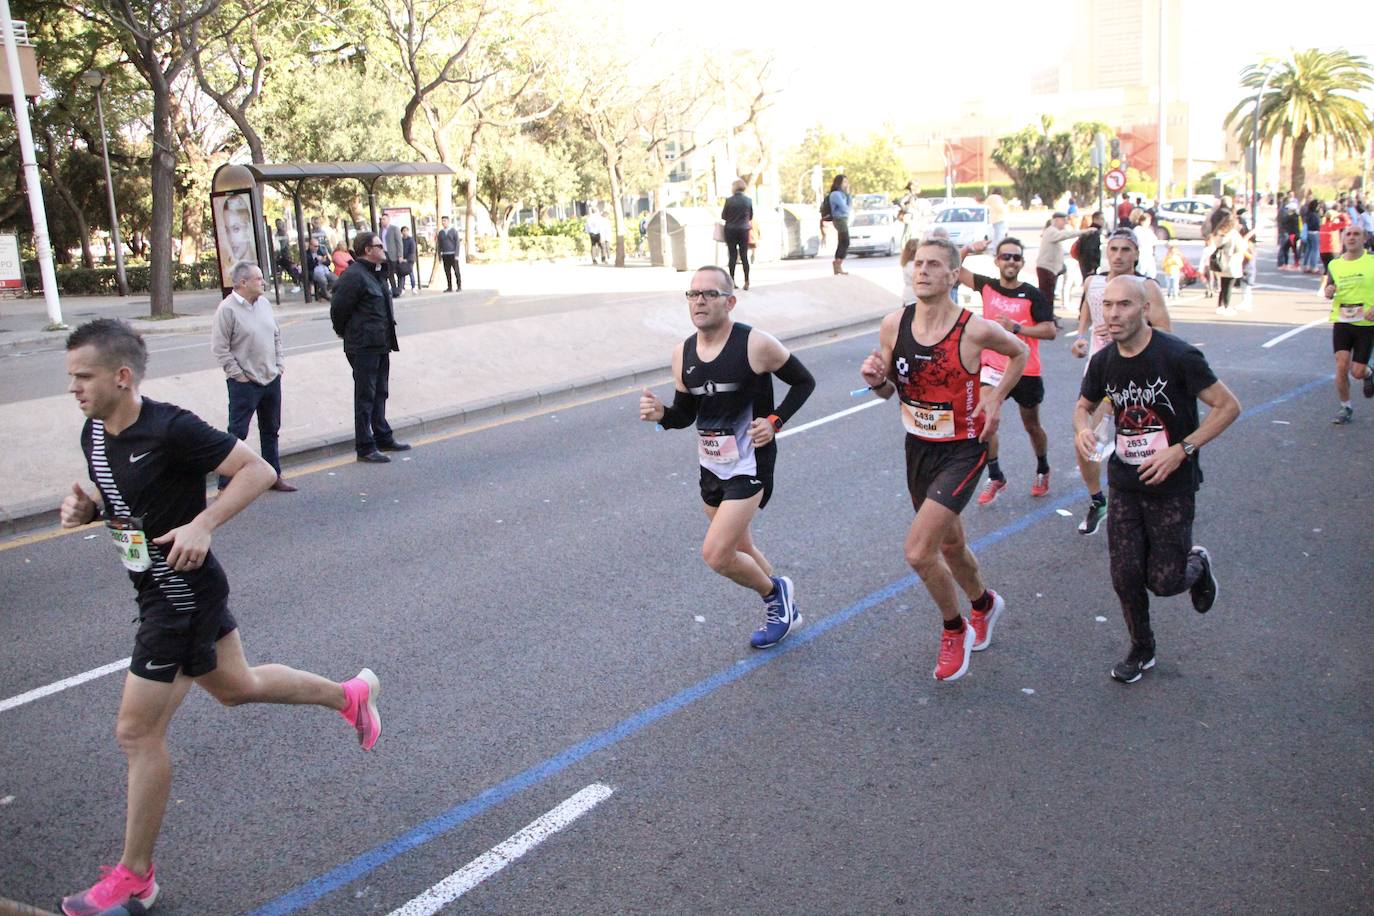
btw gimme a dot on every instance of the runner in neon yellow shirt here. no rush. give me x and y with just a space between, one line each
1350 287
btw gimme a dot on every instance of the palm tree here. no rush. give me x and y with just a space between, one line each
1311 95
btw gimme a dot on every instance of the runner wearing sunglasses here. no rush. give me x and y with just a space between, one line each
1022 309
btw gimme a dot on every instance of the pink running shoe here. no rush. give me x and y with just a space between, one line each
954 653
990 491
361 711
117 887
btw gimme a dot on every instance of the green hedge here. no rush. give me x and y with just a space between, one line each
970 189
567 228
529 248
100 281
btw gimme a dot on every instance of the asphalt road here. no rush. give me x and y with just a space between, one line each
533 600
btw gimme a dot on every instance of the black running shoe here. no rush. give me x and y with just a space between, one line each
1135 665
1204 590
1093 520
1368 386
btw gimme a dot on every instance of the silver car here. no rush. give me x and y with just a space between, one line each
964 224
875 232
1182 218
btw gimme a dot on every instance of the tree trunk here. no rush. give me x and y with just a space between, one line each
1299 174
163 186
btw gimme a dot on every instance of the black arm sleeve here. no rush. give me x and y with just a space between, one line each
681 413
800 383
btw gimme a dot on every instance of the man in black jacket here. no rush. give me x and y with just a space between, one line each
361 313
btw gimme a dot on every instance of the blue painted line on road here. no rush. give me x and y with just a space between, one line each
378 856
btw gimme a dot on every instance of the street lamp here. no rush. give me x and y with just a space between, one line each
96 80
1254 147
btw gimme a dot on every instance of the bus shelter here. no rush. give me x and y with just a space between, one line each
237 212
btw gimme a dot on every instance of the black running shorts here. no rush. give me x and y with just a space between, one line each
169 640
1029 391
946 472
714 490
1358 339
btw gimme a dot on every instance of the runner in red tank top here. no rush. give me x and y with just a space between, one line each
929 354
1024 311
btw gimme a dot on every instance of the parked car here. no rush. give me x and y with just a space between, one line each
1182 218
863 202
965 224
875 232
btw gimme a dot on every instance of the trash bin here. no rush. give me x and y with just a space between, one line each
801 230
681 238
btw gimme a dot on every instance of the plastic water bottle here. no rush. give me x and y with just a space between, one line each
1105 442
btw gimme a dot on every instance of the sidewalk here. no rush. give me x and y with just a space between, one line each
441 379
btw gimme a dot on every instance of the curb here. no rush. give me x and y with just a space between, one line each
38 514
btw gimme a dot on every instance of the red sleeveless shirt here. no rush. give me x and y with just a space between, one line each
937 392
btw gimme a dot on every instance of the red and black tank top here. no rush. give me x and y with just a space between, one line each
938 393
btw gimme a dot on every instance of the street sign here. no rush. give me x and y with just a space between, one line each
11 267
1114 180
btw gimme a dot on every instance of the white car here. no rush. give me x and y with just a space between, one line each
965 224
875 232
1182 218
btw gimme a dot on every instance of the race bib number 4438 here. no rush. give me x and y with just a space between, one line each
928 421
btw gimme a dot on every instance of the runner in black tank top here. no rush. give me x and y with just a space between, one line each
149 462
723 375
929 355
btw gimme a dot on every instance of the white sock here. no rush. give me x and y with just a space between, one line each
1346 405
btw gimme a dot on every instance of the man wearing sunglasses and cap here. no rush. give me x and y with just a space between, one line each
724 387
1024 311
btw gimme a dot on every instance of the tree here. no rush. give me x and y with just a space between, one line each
155 36
519 171
818 147
1310 96
875 167
1041 161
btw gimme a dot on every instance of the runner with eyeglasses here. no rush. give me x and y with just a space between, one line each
1024 311
723 380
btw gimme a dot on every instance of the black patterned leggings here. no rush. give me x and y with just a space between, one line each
1149 538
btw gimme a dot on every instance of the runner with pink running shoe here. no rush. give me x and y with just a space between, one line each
149 461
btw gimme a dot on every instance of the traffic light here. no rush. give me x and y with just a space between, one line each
1116 147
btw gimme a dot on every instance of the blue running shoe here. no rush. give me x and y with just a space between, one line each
782 615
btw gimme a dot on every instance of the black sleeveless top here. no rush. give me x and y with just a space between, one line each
730 395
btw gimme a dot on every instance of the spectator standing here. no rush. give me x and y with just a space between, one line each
906 210
1332 224
406 266
1173 271
1123 212
1311 237
907 262
1290 228
284 262
246 341
1230 257
391 252
738 214
596 232
997 216
447 243
1049 261
1089 245
839 200
319 232
362 314
1145 241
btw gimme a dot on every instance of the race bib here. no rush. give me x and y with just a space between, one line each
1352 312
718 446
1136 446
126 532
928 421
990 376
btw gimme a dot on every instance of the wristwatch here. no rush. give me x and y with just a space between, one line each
1189 448
776 421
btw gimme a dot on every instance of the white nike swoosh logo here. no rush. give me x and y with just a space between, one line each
136 458
150 666
753 481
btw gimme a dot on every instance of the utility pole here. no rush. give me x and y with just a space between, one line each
1161 139
30 165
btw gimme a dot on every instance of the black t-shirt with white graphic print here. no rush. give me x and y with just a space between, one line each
155 470
1154 401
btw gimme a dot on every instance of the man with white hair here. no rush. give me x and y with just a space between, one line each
1153 381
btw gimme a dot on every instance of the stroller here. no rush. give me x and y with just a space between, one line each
1190 276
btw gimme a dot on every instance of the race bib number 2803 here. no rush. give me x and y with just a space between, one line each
126 533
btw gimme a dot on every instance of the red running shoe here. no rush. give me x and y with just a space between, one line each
990 491
1041 485
983 623
954 653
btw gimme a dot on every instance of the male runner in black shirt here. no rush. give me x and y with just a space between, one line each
149 461
1153 381
723 375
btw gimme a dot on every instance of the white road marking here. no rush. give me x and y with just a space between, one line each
1287 334
39 692
504 853
834 416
